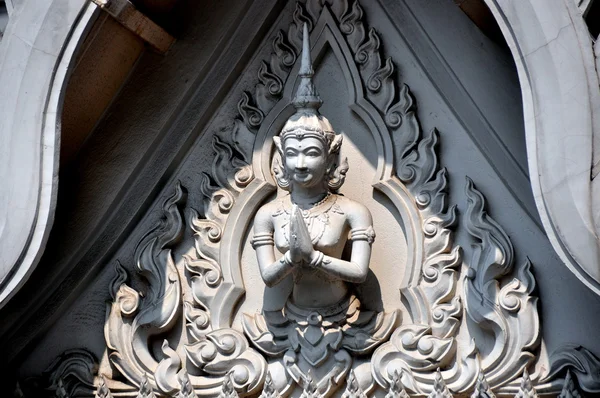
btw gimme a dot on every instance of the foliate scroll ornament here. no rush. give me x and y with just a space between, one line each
507 311
416 350
220 352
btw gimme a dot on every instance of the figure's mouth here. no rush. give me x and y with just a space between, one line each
302 173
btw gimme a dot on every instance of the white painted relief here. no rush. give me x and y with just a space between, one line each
315 324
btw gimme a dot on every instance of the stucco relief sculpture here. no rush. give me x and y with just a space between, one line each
183 334
322 322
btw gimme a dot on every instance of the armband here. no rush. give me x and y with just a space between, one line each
367 234
262 239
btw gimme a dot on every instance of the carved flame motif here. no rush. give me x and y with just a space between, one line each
509 311
132 320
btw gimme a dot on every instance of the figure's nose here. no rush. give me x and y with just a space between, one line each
301 162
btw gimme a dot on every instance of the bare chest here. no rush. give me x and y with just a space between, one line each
328 230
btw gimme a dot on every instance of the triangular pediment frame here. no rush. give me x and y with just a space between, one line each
423 353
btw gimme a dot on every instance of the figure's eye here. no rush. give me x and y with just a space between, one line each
313 153
290 153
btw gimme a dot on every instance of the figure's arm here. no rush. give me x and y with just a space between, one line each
271 270
362 236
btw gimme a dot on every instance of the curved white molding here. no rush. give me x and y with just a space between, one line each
554 55
36 53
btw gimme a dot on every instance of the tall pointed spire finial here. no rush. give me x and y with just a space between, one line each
307 99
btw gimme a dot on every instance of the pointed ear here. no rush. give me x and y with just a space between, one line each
336 144
277 141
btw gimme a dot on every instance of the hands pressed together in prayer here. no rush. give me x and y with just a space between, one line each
301 248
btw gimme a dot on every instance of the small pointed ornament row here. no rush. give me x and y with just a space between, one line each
353 388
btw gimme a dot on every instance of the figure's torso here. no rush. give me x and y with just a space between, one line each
327 223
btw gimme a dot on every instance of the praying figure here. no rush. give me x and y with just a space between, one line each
310 227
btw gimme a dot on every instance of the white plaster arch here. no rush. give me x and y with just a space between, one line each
554 55
36 54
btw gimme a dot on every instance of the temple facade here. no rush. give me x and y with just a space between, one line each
307 198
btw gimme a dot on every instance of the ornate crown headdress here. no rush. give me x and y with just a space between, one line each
307 121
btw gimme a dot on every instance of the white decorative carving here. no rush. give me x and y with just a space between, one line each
396 389
310 389
440 390
315 351
482 388
507 312
526 390
146 390
186 389
228 389
269 390
132 321
353 389
103 391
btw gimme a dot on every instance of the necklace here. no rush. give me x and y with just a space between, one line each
314 204
316 217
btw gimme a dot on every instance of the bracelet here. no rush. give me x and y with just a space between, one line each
317 261
285 259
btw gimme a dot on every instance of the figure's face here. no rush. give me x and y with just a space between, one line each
305 161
